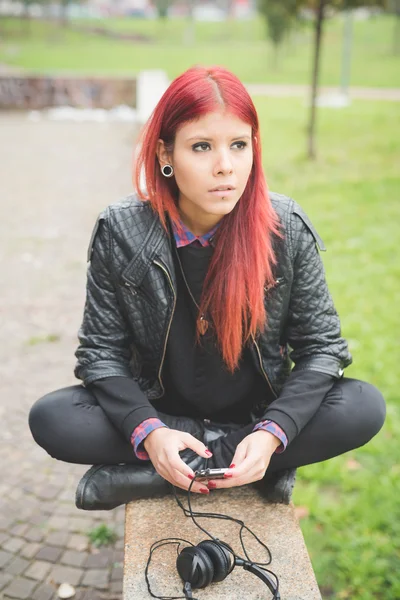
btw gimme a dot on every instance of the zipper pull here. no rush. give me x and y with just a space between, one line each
128 285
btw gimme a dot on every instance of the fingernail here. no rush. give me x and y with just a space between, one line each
212 484
191 476
208 452
204 491
232 466
228 475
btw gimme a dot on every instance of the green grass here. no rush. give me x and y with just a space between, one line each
351 193
240 46
43 339
102 535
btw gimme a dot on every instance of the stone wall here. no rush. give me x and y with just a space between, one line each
37 92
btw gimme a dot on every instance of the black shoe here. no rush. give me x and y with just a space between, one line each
277 488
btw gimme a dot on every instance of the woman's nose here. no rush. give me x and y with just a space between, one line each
223 164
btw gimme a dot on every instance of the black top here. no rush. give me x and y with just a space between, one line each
196 380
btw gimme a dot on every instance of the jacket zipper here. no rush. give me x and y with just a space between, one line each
262 367
159 264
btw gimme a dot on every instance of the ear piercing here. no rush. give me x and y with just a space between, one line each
167 170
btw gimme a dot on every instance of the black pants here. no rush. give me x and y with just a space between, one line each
72 427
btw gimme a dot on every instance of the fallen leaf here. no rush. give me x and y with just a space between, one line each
301 512
353 465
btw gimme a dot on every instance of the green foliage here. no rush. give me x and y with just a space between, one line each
102 535
162 7
280 15
351 194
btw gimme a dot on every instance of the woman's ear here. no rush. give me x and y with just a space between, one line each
162 154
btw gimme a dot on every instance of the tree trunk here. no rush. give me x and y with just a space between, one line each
26 20
314 85
275 60
64 12
346 51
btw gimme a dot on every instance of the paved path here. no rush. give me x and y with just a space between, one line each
55 178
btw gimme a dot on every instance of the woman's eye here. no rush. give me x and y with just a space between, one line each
241 145
201 147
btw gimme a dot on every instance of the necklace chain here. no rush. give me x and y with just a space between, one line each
202 322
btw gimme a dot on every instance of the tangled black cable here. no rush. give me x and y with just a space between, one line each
188 512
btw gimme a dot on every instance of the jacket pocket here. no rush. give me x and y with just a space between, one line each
139 294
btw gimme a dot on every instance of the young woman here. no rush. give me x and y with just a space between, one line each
202 291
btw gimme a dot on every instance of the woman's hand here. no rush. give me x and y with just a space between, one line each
250 461
163 446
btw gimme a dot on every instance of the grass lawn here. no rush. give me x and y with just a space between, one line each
240 46
352 195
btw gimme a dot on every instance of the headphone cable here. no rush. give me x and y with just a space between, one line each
188 512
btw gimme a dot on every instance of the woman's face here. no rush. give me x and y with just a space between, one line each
212 160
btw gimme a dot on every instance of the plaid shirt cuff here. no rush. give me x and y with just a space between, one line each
141 432
276 431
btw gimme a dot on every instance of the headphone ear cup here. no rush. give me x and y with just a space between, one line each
195 566
220 556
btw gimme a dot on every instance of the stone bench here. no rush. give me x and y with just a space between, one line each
276 524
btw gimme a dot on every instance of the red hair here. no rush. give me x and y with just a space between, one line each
241 265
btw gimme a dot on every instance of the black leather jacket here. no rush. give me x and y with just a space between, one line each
131 294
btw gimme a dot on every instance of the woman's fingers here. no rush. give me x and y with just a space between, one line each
252 468
194 444
163 447
234 478
239 456
249 466
180 474
183 481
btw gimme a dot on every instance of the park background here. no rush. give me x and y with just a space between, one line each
349 507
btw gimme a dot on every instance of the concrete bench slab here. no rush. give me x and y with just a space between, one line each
152 519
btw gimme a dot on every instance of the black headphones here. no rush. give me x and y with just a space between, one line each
210 561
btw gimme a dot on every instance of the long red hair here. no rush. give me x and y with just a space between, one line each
241 265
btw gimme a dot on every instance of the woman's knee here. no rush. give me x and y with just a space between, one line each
376 405
45 417
369 408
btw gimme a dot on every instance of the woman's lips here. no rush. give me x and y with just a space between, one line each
221 193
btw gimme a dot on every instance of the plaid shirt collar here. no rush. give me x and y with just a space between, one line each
187 237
